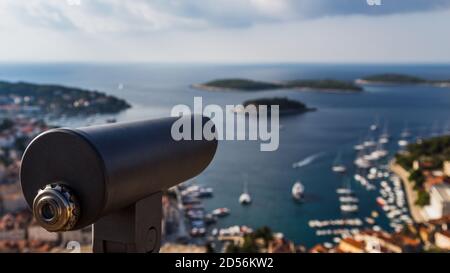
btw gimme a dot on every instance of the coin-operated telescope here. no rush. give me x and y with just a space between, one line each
111 176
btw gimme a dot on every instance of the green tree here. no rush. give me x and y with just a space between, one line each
405 161
423 198
232 248
209 247
417 178
264 233
249 245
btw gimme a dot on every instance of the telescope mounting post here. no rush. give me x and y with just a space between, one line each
134 229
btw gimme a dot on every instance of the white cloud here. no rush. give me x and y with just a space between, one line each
96 16
224 30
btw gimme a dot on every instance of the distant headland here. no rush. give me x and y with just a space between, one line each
286 105
57 100
251 85
393 78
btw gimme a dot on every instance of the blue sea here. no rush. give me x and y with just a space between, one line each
340 122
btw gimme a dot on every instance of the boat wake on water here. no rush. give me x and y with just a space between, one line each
308 160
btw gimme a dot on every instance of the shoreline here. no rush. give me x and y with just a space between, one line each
442 84
417 212
204 87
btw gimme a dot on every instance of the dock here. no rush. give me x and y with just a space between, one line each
418 214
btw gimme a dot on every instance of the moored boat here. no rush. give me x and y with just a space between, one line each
298 191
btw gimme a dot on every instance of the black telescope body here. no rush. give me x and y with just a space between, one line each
101 169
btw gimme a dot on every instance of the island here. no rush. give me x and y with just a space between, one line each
325 84
398 79
286 106
252 85
55 100
237 84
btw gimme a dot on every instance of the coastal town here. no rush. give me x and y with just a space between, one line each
18 230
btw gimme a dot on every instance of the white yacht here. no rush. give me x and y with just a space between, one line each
375 125
379 152
361 161
348 199
298 190
349 208
338 167
358 177
358 147
345 189
369 143
405 133
221 212
403 143
384 137
245 197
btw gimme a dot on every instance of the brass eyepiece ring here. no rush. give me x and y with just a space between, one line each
56 208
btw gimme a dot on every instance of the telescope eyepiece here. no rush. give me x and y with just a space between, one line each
55 208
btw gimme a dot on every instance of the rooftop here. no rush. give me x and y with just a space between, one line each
443 190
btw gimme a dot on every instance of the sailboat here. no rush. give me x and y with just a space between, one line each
379 152
369 142
405 133
403 142
348 199
358 147
245 198
349 203
297 191
434 129
347 207
338 167
345 189
374 125
384 137
361 161
446 129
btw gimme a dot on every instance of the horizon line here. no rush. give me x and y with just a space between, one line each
41 62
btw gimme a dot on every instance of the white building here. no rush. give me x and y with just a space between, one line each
439 201
442 239
13 235
13 203
40 234
447 168
82 236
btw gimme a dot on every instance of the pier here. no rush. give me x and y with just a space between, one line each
417 213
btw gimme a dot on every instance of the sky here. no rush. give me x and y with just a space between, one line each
225 31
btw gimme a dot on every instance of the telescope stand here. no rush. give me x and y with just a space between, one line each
135 229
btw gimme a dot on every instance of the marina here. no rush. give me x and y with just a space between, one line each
376 177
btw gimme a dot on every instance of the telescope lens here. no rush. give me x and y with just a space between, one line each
48 211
